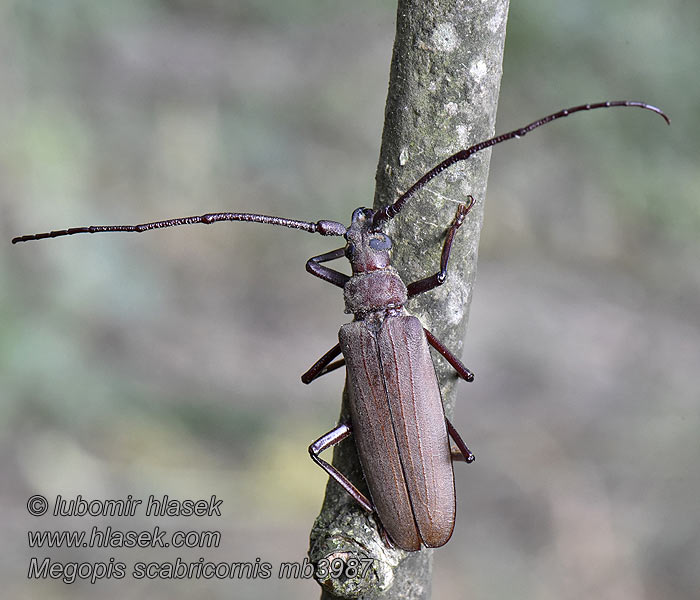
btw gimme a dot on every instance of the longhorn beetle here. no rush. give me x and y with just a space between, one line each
396 413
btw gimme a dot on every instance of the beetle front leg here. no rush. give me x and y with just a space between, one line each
326 273
429 283
327 440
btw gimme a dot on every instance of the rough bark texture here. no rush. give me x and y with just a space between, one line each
443 92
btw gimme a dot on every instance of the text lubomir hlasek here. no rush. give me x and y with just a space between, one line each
163 506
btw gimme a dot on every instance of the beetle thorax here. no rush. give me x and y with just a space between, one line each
375 286
374 291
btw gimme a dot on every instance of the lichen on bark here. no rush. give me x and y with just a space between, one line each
443 92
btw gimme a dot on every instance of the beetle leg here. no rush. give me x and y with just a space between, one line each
332 367
326 273
429 283
327 440
388 542
464 454
324 365
462 371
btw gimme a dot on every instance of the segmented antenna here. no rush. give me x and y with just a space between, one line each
389 212
322 227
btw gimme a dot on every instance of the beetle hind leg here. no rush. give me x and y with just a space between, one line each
463 453
327 440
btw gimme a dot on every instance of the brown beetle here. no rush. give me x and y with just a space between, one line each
397 418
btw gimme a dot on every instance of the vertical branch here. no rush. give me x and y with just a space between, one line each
443 92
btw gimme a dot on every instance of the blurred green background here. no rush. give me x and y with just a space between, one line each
169 363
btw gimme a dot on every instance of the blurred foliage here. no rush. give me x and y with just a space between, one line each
652 66
169 363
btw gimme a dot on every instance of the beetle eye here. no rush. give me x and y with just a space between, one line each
349 250
380 242
357 214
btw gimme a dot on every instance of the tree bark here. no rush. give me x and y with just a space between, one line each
443 93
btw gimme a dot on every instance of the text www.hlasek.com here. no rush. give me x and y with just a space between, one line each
113 538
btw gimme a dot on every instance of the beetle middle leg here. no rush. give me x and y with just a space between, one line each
462 371
327 440
324 365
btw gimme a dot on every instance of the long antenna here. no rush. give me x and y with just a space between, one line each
322 227
389 212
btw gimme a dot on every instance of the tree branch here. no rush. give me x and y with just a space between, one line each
443 92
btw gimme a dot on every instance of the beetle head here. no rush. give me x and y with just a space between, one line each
368 247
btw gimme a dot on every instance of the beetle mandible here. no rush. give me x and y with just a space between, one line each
397 418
